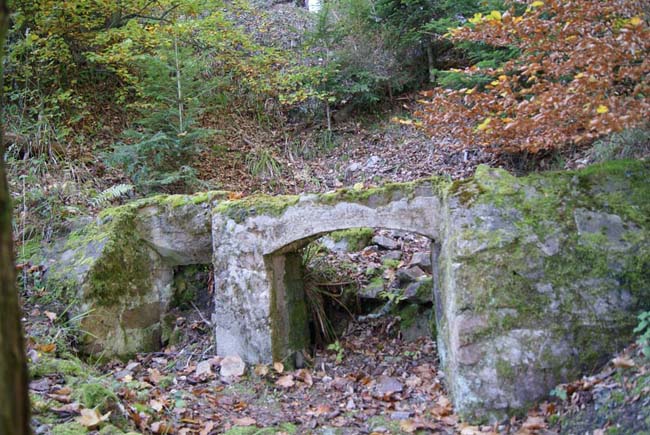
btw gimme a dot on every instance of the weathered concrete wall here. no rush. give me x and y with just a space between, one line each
536 279
248 234
118 270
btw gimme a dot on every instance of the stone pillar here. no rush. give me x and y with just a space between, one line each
289 313
242 292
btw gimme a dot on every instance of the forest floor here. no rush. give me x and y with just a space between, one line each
370 382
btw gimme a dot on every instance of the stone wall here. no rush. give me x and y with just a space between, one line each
539 280
536 279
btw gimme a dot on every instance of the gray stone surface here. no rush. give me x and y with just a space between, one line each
411 274
421 260
385 242
391 255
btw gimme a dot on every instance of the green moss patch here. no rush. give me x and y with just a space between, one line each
50 366
96 395
356 238
378 196
256 205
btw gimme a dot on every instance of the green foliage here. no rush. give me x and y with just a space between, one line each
643 329
114 192
459 80
337 348
156 153
392 297
367 48
262 163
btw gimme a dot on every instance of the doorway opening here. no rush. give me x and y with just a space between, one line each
332 284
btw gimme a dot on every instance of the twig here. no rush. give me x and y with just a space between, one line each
201 315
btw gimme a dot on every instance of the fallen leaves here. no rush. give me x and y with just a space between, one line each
244 421
623 362
91 418
285 381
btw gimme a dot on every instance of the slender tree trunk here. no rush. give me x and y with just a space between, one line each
14 400
179 89
432 76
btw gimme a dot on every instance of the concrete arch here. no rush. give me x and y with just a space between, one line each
256 264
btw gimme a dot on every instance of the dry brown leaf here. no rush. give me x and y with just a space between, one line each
245 421
623 362
161 427
156 405
408 426
46 348
285 381
442 407
235 195
305 376
50 315
91 418
534 423
64 391
278 366
322 409
261 370
207 428
155 376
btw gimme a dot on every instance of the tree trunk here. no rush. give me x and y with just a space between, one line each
14 400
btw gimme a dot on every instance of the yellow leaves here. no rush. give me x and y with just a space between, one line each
495 15
537 4
579 76
477 18
602 109
635 21
495 83
484 125
405 121
503 77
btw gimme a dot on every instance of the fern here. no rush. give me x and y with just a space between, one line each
112 193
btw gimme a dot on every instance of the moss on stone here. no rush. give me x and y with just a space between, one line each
175 201
256 205
124 266
378 196
356 238
390 263
505 371
408 315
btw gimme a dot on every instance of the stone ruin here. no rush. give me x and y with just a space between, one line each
535 279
